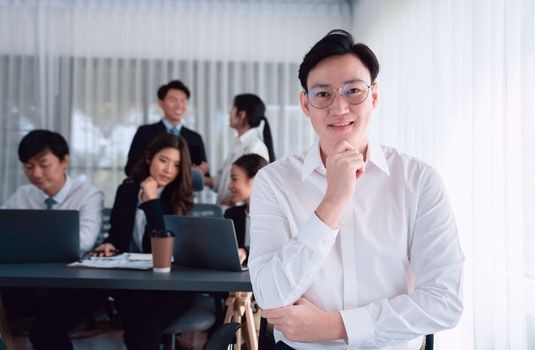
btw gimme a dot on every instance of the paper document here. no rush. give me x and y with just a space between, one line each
123 261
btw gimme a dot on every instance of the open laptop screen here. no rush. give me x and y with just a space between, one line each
204 242
29 236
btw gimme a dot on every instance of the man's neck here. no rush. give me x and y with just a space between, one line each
172 122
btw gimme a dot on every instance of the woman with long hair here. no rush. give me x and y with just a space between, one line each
247 113
242 175
160 184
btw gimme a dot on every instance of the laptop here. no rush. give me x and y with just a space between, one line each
203 242
39 236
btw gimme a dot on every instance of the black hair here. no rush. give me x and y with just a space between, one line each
172 85
177 196
255 111
38 141
337 42
251 163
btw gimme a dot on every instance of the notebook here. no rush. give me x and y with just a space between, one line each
30 236
202 242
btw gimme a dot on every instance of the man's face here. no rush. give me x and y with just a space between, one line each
174 106
341 120
46 172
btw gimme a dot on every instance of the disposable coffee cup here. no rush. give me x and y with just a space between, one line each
162 242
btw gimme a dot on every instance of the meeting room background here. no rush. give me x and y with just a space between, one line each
457 87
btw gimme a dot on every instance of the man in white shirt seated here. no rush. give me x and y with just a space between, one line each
45 157
353 244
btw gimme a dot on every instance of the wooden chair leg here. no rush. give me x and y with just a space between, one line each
239 310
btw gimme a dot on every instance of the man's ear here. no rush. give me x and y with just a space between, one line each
375 95
65 161
305 106
160 103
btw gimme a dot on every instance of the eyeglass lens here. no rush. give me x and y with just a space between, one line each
354 92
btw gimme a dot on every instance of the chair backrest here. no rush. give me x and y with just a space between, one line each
266 341
428 342
207 210
105 228
223 336
197 179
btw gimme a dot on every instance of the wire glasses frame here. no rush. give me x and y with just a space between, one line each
354 92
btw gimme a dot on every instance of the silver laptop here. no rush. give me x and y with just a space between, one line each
39 236
202 242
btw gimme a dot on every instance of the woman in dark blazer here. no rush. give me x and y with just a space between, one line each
242 174
160 184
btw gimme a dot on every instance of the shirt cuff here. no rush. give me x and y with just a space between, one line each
319 237
359 327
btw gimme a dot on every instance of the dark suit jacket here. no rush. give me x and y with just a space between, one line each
146 133
123 215
237 215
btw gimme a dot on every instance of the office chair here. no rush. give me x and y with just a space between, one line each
223 337
266 340
197 179
200 317
105 227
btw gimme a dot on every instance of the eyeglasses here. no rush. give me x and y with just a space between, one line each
322 96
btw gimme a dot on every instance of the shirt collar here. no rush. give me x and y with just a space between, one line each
169 126
375 155
62 194
313 161
248 135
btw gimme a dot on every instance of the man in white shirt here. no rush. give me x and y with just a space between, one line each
353 244
45 156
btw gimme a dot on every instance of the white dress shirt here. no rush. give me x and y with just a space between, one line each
247 143
140 221
74 195
393 267
170 127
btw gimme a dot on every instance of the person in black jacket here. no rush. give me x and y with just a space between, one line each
173 99
160 184
242 174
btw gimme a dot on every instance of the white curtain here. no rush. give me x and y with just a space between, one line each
457 89
90 70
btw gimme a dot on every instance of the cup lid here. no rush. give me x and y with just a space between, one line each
162 233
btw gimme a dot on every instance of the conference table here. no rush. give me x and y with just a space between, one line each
57 275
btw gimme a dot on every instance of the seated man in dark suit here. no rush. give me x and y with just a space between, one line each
173 100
